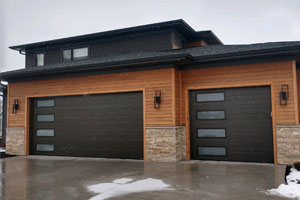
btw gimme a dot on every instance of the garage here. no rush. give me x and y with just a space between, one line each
233 124
101 125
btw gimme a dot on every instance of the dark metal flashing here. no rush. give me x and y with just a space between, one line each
162 60
179 25
237 62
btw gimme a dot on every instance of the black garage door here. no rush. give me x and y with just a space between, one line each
104 125
231 124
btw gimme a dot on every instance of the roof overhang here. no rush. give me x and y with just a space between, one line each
179 25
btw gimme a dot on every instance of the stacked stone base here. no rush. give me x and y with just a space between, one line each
288 144
15 141
165 144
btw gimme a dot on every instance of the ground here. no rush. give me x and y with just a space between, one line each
49 178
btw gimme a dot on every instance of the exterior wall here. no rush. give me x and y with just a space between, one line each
277 74
151 41
15 141
298 88
288 143
198 43
165 144
274 74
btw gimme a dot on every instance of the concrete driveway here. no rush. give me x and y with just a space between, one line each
48 178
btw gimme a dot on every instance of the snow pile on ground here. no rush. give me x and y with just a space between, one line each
2 150
125 186
292 189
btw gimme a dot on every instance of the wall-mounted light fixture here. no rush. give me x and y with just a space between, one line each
157 99
284 95
15 106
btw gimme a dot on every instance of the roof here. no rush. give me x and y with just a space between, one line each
196 54
180 25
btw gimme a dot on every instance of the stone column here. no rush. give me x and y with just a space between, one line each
288 144
165 144
15 141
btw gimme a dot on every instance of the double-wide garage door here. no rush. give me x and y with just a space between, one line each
231 124
104 125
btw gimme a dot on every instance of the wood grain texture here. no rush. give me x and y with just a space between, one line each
149 81
278 73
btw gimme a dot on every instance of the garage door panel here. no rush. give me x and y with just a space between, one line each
247 124
104 125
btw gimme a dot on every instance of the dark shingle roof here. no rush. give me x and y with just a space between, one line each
179 25
197 54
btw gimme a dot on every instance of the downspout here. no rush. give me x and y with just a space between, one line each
4 114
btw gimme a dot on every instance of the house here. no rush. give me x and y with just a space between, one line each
158 92
3 94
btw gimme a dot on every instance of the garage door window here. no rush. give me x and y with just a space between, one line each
45 103
45 147
210 115
208 97
211 133
45 118
211 151
45 132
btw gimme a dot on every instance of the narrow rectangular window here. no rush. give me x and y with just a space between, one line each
212 151
45 147
208 97
67 55
45 132
210 115
45 103
40 59
80 53
45 118
211 133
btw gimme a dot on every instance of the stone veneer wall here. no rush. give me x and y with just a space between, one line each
15 141
288 144
165 144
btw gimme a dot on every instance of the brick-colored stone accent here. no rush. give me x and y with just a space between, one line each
15 141
165 144
288 144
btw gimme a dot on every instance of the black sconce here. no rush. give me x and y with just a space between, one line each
284 95
15 106
157 99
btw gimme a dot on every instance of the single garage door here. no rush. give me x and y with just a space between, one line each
233 124
104 125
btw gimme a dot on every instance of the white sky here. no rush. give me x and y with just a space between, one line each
233 21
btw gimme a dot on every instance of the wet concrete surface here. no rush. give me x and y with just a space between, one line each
49 178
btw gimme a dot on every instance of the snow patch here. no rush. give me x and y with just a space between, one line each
292 189
122 180
123 186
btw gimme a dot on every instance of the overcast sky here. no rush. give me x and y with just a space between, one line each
233 21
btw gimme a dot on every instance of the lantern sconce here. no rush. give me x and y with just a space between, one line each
284 95
15 106
157 99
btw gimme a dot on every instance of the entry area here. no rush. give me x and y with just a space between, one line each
102 125
233 124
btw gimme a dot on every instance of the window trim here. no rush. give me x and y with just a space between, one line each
46 144
36 103
217 138
210 111
36 59
45 129
36 119
196 100
225 147
72 53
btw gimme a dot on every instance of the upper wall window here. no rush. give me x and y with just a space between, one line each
75 54
40 59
